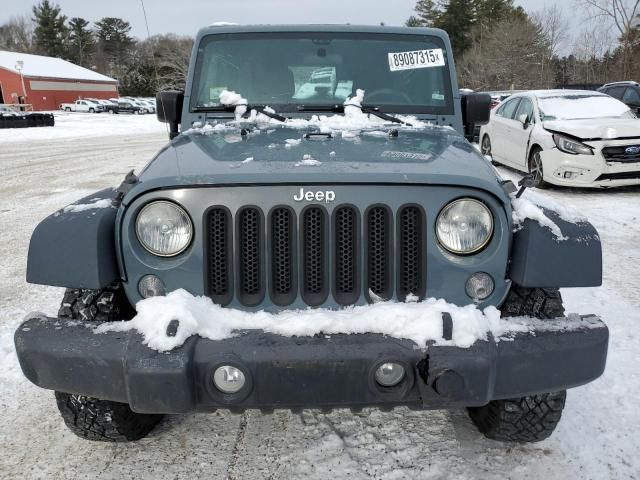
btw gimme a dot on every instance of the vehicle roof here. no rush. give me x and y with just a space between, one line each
623 82
330 28
559 93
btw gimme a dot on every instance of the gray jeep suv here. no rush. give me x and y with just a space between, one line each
277 199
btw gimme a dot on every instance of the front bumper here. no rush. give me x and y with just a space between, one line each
587 171
307 372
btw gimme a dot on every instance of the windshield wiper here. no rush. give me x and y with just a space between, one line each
263 110
231 108
384 116
369 109
321 108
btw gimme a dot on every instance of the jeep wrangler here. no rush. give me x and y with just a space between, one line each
276 199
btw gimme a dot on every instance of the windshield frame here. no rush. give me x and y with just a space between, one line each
447 109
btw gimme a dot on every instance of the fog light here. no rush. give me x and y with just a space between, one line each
228 379
479 286
389 374
151 286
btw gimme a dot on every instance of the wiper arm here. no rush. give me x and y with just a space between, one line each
321 108
217 108
262 109
232 108
384 116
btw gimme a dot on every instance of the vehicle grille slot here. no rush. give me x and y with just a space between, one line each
219 267
622 154
347 286
250 254
314 256
411 252
283 279
379 258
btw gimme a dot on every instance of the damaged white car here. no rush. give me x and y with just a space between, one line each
566 137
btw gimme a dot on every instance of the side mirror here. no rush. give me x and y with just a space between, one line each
524 120
476 108
169 110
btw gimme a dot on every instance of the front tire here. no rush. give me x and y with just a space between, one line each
536 168
485 147
91 418
103 420
532 418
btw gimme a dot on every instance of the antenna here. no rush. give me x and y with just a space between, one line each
153 59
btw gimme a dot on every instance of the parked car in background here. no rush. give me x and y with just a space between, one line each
627 92
129 106
109 106
566 137
82 106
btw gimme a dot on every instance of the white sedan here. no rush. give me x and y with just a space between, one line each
566 137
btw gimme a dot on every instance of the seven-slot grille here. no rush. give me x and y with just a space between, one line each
347 253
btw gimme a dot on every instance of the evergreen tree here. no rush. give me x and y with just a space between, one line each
114 45
50 32
81 41
427 12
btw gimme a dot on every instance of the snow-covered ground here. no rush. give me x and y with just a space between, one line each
597 437
84 125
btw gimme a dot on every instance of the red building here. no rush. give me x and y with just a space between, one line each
46 82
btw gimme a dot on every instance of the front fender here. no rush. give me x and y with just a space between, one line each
540 259
75 247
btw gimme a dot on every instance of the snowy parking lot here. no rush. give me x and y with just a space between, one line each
48 168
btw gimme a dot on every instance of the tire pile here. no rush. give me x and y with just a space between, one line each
27 120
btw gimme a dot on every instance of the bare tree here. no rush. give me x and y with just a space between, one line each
509 57
17 35
622 14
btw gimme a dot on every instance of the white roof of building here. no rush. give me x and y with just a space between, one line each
48 67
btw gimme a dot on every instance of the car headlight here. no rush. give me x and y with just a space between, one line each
464 226
164 228
573 147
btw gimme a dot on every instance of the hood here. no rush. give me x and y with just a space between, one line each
596 128
433 155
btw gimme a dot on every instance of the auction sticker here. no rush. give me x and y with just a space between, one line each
416 59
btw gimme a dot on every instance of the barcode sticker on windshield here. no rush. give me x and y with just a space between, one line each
416 59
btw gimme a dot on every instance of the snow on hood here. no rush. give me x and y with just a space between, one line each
530 206
416 321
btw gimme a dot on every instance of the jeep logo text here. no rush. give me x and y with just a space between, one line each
319 196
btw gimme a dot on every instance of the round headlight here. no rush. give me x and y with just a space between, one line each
164 228
464 226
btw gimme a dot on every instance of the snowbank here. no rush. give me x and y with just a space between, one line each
419 322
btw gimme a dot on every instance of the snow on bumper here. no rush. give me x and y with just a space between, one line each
321 371
591 171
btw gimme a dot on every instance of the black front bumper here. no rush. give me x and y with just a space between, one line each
307 372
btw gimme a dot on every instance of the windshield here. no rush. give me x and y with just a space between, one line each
576 107
399 73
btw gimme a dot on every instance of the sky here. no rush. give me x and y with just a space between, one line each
187 16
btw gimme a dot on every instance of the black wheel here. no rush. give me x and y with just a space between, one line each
91 110
88 417
103 420
543 303
105 305
67 109
536 168
532 418
485 148
522 420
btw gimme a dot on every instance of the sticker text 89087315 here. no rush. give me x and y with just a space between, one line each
416 59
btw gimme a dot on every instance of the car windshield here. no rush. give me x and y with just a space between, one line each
576 107
399 73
